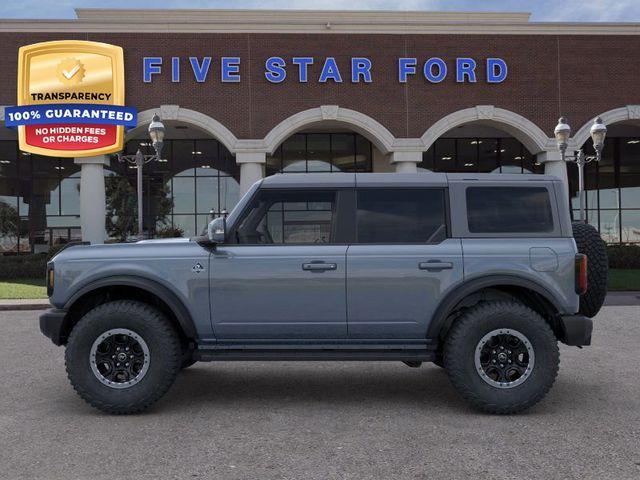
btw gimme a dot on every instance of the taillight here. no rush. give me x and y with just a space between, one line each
581 274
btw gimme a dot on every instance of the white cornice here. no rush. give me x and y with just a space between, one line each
323 21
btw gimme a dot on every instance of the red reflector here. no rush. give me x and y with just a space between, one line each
581 274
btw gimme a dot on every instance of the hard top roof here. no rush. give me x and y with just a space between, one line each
288 180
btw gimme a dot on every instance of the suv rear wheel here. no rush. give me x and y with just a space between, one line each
122 356
502 357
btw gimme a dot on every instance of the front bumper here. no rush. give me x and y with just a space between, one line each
52 325
575 330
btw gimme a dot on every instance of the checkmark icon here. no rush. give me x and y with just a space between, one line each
71 73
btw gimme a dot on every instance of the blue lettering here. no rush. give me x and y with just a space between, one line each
151 66
465 67
275 69
360 67
406 66
330 71
303 64
428 70
200 71
496 70
230 70
175 69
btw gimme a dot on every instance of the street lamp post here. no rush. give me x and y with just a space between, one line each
156 133
562 133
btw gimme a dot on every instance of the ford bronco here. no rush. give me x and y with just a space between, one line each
482 274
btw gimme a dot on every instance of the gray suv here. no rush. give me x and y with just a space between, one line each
479 273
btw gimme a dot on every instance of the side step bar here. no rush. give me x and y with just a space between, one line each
319 353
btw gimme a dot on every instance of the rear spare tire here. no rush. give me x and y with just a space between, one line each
590 243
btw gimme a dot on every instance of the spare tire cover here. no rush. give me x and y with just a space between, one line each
590 243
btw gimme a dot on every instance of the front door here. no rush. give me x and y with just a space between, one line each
401 264
283 274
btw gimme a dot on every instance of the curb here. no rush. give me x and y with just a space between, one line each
18 305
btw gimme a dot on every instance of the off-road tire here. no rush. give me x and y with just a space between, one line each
164 352
590 243
464 337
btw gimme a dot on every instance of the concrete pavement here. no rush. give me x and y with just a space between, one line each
322 420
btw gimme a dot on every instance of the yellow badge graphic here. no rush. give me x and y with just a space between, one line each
71 99
70 71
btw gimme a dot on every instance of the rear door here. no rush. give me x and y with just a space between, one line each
402 262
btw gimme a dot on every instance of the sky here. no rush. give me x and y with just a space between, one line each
542 10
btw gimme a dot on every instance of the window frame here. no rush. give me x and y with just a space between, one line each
446 205
340 214
458 193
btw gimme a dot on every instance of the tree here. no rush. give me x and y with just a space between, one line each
122 207
9 221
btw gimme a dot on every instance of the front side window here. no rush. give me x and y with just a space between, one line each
509 210
295 217
401 215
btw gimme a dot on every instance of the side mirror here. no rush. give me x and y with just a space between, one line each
217 230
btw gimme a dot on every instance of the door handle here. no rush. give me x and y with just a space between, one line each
319 266
435 265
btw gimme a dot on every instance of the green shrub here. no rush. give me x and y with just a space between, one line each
624 256
169 232
23 266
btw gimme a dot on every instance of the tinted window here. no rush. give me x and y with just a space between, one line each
289 217
401 215
509 210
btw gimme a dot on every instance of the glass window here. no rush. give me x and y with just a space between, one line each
401 215
294 154
509 210
445 155
364 153
467 154
184 195
488 152
319 152
343 152
289 217
207 198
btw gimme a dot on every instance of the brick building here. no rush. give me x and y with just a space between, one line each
251 93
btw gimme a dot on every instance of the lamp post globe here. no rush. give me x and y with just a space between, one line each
156 133
598 133
562 133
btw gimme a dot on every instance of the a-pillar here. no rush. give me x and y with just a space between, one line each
251 168
93 208
406 162
553 165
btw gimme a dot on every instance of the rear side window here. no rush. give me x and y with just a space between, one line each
401 215
509 210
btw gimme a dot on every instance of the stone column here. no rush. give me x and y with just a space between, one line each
553 165
251 168
406 162
92 198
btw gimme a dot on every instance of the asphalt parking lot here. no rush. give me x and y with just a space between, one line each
322 420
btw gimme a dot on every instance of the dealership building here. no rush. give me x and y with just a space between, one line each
247 94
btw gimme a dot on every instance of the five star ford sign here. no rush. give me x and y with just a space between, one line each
71 99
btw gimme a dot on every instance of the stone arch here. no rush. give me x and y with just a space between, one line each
197 119
622 114
373 130
527 132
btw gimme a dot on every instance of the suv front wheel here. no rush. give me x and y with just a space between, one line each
122 356
502 357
